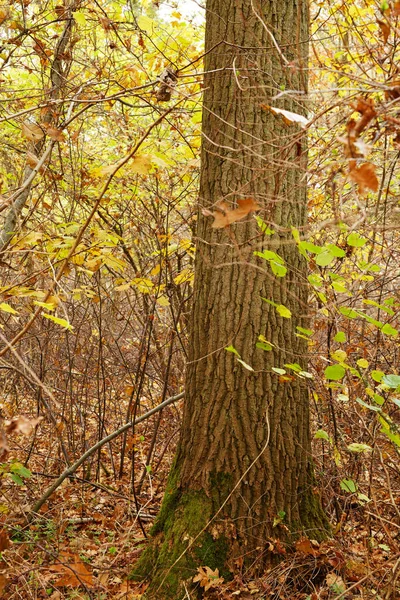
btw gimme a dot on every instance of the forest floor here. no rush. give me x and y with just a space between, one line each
88 535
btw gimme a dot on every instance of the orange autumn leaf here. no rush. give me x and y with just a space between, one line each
305 546
364 176
224 216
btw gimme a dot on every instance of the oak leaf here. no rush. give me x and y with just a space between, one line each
224 216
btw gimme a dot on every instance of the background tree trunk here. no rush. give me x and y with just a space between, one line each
231 412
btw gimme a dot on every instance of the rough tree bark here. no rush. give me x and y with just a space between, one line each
232 416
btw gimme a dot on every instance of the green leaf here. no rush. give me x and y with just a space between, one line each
263 226
335 372
348 312
305 331
340 288
339 355
315 279
389 330
312 248
336 251
392 381
279 371
16 479
233 350
356 240
354 447
340 337
324 259
293 367
278 269
283 311
264 346
378 399
321 435
377 375
62 322
369 406
20 470
348 485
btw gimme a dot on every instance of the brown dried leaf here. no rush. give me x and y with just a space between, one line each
32 132
385 29
4 540
224 216
3 583
21 425
207 578
73 572
396 8
304 546
336 583
364 176
55 134
31 159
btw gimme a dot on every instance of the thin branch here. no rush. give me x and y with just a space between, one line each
71 470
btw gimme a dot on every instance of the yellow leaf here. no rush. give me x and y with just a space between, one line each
163 301
62 322
46 305
184 276
7 308
79 18
141 164
145 23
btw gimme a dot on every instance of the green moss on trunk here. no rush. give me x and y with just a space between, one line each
180 543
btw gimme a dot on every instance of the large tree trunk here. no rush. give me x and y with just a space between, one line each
233 416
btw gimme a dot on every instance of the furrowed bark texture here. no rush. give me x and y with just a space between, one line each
229 411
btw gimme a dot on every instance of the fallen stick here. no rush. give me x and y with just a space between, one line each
38 505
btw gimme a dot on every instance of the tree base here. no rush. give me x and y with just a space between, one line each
185 537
